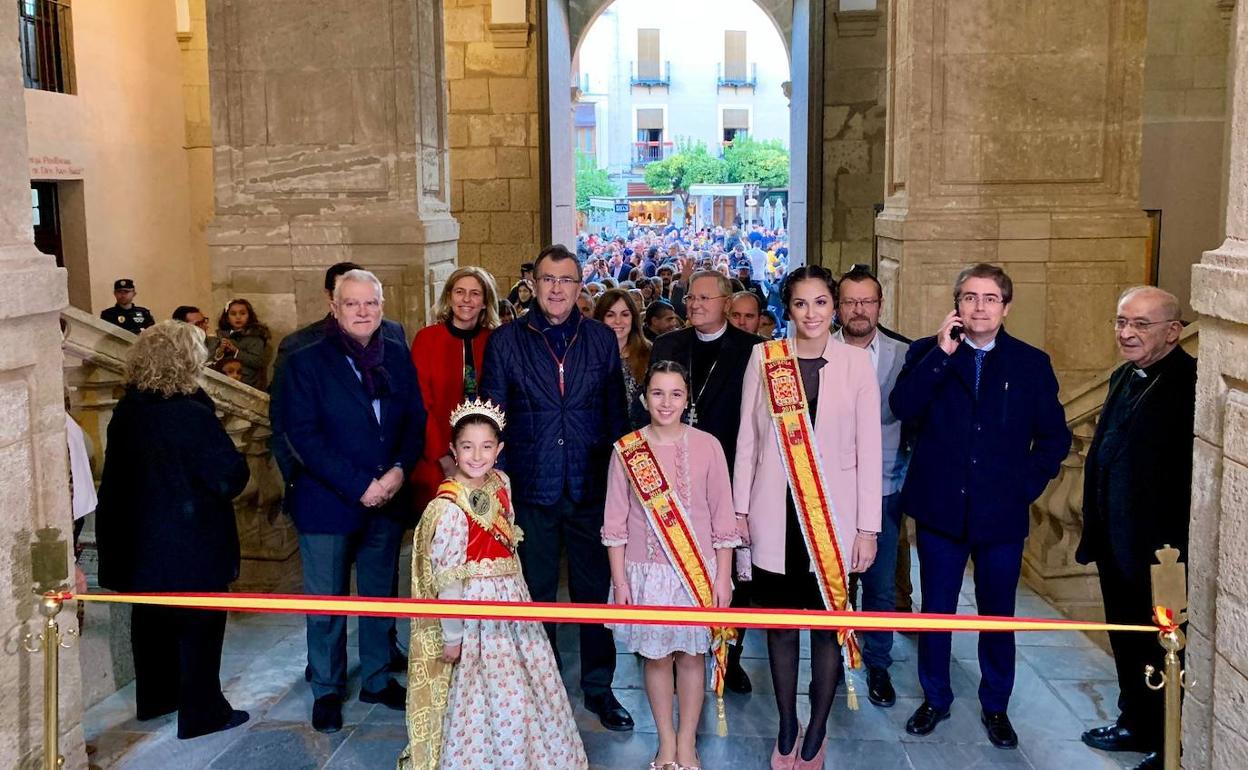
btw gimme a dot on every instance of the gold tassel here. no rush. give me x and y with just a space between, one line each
721 726
851 694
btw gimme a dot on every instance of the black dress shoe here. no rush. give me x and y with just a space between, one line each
612 715
235 719
392 696
735 679
1113 738
398 661
307 673
1151 761
925 718
880 687
327 714
1000 732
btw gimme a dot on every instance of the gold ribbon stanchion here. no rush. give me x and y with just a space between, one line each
50 569
1170 612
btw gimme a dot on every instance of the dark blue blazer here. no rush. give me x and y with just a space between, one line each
338 445
979 463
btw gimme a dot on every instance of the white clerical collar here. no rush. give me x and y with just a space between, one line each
713 336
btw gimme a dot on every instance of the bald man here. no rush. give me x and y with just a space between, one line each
1136 499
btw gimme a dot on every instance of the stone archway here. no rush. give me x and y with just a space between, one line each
562 27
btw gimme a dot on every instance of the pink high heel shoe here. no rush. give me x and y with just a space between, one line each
786 761
815 762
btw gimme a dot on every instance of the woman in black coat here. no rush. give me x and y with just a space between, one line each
165 523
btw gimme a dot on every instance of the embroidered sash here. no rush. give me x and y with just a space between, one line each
786 398
670 523
485 507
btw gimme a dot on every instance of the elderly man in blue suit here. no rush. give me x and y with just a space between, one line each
859 300
989 435
355 424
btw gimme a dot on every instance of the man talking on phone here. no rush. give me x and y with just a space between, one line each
988 435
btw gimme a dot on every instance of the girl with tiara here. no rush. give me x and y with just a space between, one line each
482 694
670 528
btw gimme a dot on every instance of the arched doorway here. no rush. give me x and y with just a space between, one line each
563 25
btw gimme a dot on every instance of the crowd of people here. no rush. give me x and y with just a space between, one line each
626 412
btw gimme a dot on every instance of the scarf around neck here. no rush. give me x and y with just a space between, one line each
368 358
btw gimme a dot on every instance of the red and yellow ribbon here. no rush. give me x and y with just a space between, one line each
553 612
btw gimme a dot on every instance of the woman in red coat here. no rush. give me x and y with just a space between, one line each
448 356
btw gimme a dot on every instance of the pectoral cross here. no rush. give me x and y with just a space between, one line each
693 415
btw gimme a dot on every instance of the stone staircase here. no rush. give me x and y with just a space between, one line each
1049 565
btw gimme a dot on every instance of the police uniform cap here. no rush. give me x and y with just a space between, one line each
123 284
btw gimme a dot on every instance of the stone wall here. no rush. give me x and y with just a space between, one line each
322 157
34 485
854 95
1183 169
492 127
197 107
1215 720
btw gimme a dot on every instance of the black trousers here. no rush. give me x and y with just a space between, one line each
549 531
177 666
1129 599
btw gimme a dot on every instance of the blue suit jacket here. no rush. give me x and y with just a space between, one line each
338 445
978 463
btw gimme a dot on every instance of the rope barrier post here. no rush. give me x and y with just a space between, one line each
50 570
1169 578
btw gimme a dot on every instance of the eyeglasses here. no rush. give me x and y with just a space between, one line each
854 304
551 281
1138 324
989 300
354 304
702 299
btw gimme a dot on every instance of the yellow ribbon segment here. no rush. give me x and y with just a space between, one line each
595 613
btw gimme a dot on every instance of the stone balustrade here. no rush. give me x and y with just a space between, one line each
1049 565
95 353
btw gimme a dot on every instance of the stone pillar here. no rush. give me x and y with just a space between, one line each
329 134
1014 137
1215 722
34 486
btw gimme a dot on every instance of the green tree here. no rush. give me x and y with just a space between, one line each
691 164
749 160
591 181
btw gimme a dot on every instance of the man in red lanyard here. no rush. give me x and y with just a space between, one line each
557 376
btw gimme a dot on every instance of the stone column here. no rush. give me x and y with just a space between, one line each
1013 137
1215 722
34 486
329 134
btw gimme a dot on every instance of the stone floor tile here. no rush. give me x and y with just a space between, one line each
1090 700
294 744
370 746
1069 663
933 756
1067 755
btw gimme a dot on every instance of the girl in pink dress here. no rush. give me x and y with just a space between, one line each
693 466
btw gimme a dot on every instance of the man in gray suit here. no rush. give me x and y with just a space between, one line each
858 304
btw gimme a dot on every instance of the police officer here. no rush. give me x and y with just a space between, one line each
129 316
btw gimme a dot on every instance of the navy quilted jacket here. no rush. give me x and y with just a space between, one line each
556 442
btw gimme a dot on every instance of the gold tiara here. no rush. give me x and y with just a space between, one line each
485 408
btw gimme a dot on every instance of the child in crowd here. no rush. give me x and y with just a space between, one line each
241 336
482 694
230 367
687 520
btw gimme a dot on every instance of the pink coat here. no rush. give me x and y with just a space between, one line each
847 438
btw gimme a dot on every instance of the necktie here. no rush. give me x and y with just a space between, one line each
979 368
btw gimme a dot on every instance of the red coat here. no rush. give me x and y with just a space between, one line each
439 359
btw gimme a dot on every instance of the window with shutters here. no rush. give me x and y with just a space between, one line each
736 124
736 71
649 70
650 145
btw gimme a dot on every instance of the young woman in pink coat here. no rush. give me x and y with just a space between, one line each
843 400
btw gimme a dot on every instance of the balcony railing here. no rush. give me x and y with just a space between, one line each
45 32
733 82
645 153
664 80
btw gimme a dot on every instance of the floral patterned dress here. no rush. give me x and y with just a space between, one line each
506 707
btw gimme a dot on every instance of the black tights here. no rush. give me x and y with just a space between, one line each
783 648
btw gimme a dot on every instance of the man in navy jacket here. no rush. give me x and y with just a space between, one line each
989 434
355 424
557 375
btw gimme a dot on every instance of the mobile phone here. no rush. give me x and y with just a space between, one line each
955 332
